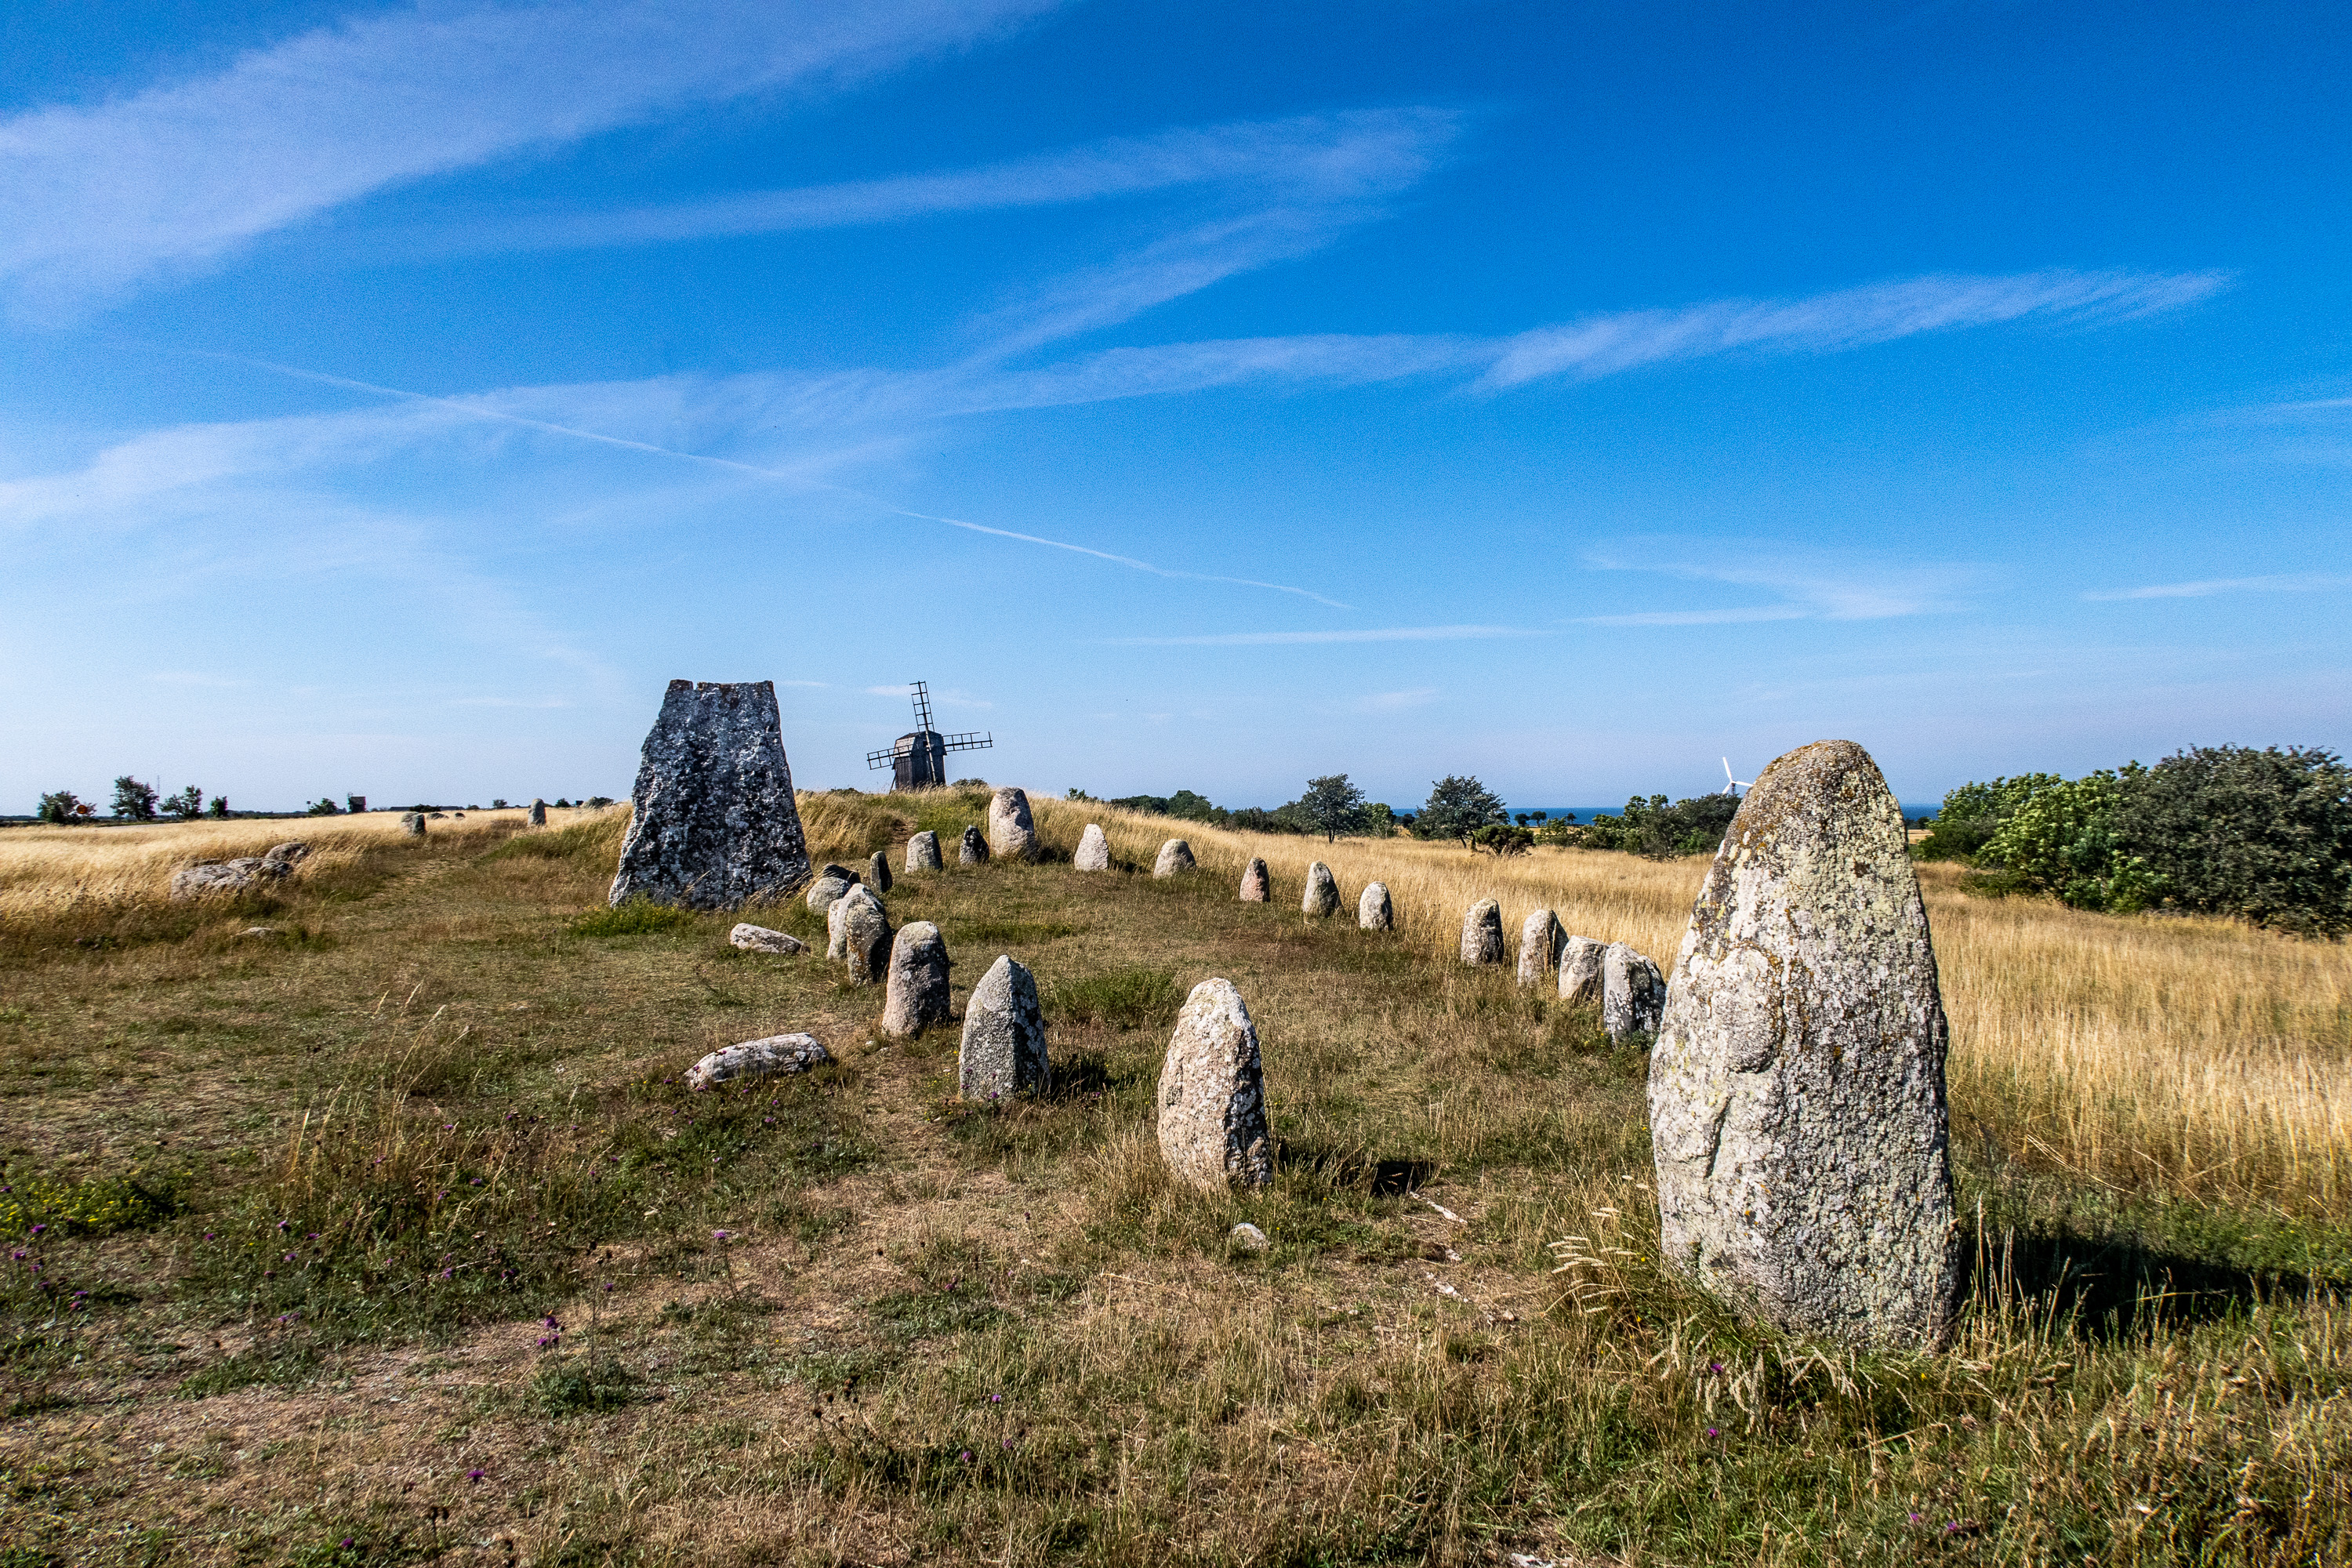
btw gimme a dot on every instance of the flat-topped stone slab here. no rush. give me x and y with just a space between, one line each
713 824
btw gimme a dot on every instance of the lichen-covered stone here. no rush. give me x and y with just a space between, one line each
714 825
923 852
1539 939
826 891
1094 850
973 849
1322 894
1374 911
1011 830
878 872
769 1058
760 939
860 927
1579 971
1003 1050
1175 858
412 824
1212 1127
1257 887
1633 993
915 996
1482 932
1796 1101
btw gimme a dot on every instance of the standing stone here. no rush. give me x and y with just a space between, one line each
1212 1131
1373 910
1003 1035
973 850
1796 1087
1579 971
1539 941
827 889
537 816
760 939
1322 895
1175 856
1011 830
1633 994
923 852
1482 933
861 929
412 824
1257 887
1094 850
878 872
915 996
713 822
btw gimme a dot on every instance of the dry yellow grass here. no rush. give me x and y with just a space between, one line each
2199 1056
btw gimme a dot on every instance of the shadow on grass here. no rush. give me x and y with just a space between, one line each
2108 1287
1352 1170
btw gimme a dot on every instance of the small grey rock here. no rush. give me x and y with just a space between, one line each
1003 1050
1212 1127
1175 856
282 858
259 932
1797 1098
825 891
209 876
923 852
1094 850
1322 895
878 872
775 1055
1579 971
713 824
1247 1238
1539 941
1257 887
1633 993
760 939
915 996
412 824
1482 932
1011 830
1374 911
973 849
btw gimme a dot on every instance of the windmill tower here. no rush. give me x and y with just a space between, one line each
919 760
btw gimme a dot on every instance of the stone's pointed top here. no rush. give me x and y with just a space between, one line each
1796 1104
1212 1125
1003 1050
713 822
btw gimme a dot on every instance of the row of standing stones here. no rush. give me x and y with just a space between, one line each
202 878
1798 1117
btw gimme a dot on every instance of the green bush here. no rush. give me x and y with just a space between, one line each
1973 813
2265 835
1694 825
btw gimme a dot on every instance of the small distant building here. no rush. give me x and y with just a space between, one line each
918 760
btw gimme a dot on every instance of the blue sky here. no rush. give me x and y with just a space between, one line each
392 399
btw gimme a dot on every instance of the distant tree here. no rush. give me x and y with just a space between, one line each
1192 807
134 801
1502 839
187 805
2262 835
498 803
1973 813
322 807
1075 793
61 806
1332 807
1457 807
220 806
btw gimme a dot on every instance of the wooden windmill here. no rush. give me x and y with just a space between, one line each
919 760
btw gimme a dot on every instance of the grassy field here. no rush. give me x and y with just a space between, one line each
390 1234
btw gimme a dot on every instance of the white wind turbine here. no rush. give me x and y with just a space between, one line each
1732 786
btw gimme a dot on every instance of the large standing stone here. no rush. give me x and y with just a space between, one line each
878 872
1175 856
915 996
923 852
1374 911
1633 993
973 849
1094 850
1011 830
760 939
756 1059
1796 1087
412 824
860 927
1539 941
1003 1035
1579 971
713 822
1322 895
1212 1130
537 816
1257 887
1482 932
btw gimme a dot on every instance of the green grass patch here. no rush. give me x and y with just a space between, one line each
33 1208
1134 997
580 1386
638 917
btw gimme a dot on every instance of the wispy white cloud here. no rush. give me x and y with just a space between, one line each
1396 702
1814 584
1697 618
2289 583
1846 318
95 199
1378 634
